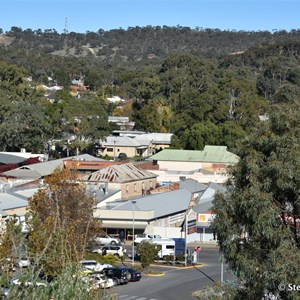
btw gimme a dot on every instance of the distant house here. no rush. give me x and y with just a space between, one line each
115 99
122 122
157 140
114 145
211 158
130 179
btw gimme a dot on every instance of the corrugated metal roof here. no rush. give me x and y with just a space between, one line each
10 201
213 154
155 137
163 204
35 171
119 173
192 185
121 141
10 159
203 207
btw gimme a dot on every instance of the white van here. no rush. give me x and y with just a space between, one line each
166 246
138 238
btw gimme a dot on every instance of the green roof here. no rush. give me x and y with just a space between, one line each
213 154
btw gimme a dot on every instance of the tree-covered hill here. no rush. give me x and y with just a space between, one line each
136 43
209 89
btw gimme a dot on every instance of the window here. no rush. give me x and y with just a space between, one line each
135 187
150 184
110 149
143 185
127 188
170 247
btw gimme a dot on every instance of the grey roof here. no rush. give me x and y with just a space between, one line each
3 213
102 193
192 185
162 204
10 159
155 138
204 206
212 189
23 173
119 174
120 141
11 200
35 171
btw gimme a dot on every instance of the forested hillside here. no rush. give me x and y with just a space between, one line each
205 85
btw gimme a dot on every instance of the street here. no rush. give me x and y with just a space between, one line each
177 283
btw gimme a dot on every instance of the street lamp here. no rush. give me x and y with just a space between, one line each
114 150
133 203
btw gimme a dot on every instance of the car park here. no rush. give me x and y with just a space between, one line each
118 275
134 274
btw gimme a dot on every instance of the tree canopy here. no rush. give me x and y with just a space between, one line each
61 222
258 220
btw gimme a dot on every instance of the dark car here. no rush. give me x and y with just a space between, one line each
134 274
118 275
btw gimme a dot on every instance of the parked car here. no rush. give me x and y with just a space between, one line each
122 156
105 239
21 282
135 275
118 275
93 265
98 281
117 250
23 262
142 237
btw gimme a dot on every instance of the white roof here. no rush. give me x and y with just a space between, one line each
155 137
115 99
123 141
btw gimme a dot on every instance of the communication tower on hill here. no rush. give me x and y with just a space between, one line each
66 26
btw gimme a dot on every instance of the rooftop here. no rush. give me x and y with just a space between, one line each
119 173
213 154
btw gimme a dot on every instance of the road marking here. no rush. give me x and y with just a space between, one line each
126 297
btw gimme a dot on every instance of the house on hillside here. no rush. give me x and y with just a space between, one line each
130 179
114 145
122 122
157 140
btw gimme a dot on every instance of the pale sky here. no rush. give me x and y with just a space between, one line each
91 15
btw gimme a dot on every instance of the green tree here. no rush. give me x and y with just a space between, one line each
148 253
257 221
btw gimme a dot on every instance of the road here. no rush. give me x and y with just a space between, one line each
176 283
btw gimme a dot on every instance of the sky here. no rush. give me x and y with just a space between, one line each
92 15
